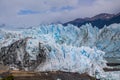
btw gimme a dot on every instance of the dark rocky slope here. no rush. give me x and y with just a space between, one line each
98 20
10 56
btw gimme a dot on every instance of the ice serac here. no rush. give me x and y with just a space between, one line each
55 47
109 40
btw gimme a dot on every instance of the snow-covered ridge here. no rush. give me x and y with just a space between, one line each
63 48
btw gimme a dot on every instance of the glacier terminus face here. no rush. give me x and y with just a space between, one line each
57 47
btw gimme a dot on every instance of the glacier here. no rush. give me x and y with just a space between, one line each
55 47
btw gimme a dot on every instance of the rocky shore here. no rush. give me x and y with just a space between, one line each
53 75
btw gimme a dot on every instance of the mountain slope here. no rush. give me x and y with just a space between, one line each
98 20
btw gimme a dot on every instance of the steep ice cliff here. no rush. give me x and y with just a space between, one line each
55 47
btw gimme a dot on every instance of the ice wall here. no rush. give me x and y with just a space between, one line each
66 48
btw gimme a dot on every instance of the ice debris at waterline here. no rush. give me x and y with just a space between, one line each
55 47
